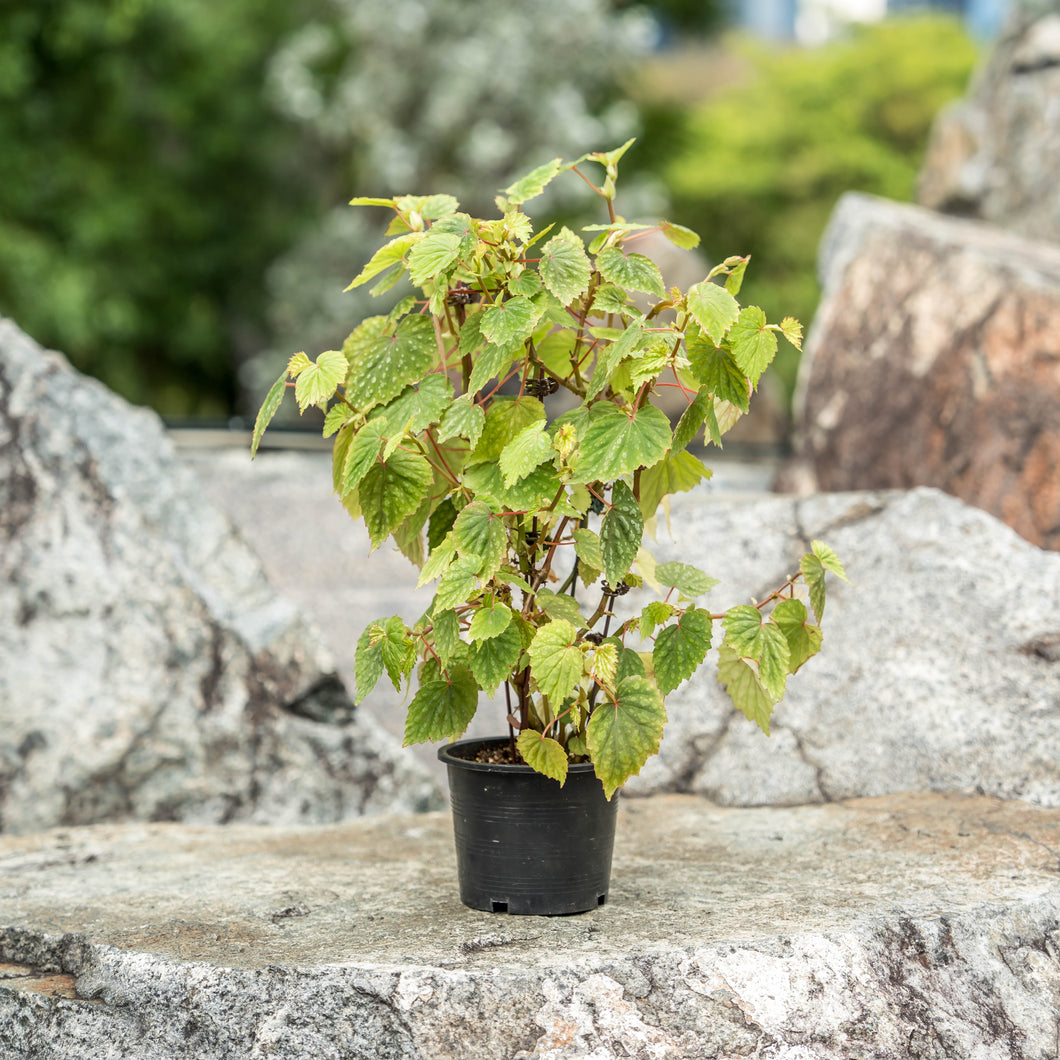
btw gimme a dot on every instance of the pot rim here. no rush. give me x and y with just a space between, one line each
496 767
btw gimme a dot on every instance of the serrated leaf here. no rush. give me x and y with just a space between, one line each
554 352
440 523
417 407
489 621
680 236
654 614
627 342
529 494
753 344
621 531
633 271
681 648
446 624
432 255
690 422
384 362
527 283
560 605
744 688
438 562
534 183
716 370
829 560
529 448
676 473
630 662
714 309
480 532
813 574
791 329
459 583
463 419
493 661
442 710
397 651
336 416
490 362
361 454
543 754
616 443
804 639
565 267
623 735
686 579
387 256
762 641
368 661
273 400
392 491
556 659
507 416
587 548
511 322
734 281
319 380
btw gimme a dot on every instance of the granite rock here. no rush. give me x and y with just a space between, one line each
148 670
934 359
906 926
995 154
940 669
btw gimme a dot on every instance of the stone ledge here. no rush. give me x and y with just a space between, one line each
904 925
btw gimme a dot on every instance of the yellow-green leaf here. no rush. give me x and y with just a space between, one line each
543 754
624 734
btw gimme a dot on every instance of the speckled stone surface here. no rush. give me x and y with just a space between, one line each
906 925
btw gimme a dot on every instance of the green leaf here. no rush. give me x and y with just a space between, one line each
632 271
336 416
565 267
688 580
529 448
560 605
734 280
587 549
621 531
397 651
617 444
441 522
630 663
442 710
446 624
368 661
392 491
556 659
716 370
654 614
417 407
829 560
493 661
489 621
273 400
744 688
360 456
679 649
628 342
527 284
680 236
791 329
507 416
762 641
385 257
478 531
382 364
813 571
367 200
714 309
432 255
543 754
677 473
529 494
511 322
490 362
753 344
623 735
438 562
318 381
459 583
804 639
533 184
463 419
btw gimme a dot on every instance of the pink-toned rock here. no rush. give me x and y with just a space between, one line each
934 359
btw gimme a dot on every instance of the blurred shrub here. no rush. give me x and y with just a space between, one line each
144 186
761 164
437 95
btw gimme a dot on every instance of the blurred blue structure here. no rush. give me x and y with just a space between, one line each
786 19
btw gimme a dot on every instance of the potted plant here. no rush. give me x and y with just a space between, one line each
499 425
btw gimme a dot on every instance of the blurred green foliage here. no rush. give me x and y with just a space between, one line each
144 186
761 165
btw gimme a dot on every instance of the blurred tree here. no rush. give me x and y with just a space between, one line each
144 186
761 165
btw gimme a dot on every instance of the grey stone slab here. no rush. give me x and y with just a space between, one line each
905 926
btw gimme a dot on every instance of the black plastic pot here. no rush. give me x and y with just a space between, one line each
523 843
